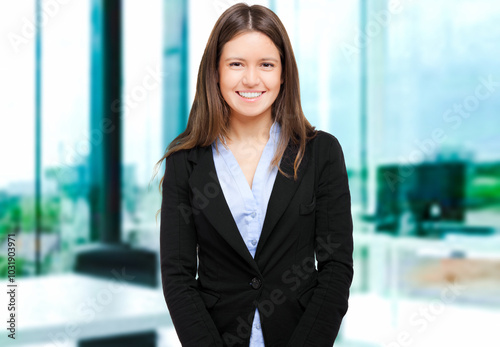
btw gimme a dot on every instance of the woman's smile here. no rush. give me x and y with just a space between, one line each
250 96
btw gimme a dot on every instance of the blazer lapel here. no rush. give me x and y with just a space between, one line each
282 193
209 198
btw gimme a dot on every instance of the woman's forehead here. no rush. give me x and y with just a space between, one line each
252 43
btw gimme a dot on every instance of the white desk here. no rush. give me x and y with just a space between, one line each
388 316
385 254
55 309
375 321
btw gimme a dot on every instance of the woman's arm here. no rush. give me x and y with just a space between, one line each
321 320
178 258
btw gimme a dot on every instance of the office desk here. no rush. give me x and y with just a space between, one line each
55 309
373 320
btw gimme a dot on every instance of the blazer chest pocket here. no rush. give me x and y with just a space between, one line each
209 299
308 208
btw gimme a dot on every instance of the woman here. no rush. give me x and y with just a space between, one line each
251 193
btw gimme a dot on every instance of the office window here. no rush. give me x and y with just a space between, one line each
66 140
142 140
62 139
17 129
438 55
323 35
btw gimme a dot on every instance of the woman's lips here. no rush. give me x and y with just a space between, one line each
250 96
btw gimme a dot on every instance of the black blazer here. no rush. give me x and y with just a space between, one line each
300 304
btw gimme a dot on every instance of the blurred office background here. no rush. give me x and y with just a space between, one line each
91 100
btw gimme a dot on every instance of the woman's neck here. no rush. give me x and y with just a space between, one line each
249 129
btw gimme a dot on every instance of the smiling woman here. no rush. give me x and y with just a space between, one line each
250 75
251 193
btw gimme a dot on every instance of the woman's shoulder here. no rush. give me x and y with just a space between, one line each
325 148
324 139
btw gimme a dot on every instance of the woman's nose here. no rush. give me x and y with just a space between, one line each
251 77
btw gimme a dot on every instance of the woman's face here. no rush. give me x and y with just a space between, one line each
250 74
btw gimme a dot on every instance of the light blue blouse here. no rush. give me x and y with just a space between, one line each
248 206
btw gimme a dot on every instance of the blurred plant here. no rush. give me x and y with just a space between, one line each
10 217
20 262
484 187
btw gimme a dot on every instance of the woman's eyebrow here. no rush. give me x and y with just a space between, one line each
262 59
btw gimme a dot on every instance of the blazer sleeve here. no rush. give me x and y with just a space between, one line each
321 320
178 256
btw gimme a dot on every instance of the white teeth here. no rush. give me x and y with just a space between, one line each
250 95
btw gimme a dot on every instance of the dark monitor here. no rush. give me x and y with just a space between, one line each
388 198
436 192
430 191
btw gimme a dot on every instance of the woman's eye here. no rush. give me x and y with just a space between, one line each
266 65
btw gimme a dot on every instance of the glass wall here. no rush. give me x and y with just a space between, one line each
17 175
441 77
60 136
142 142
65 136
410 89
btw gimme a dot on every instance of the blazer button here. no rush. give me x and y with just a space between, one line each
256 283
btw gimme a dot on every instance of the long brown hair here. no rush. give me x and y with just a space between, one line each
209 116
